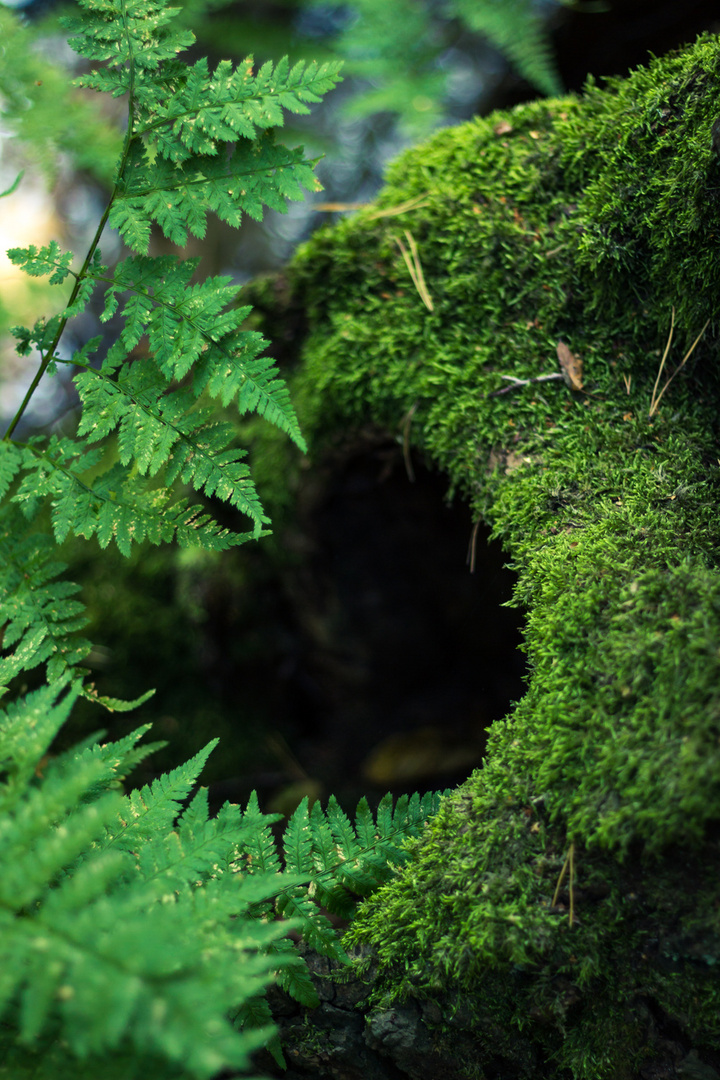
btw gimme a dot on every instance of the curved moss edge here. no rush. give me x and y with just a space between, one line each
588 221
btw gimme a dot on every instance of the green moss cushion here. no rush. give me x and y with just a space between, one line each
576 230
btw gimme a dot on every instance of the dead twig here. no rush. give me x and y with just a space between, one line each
523 382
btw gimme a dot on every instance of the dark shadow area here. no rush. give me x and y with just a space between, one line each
401 657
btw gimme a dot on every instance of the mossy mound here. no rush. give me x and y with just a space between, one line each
595 222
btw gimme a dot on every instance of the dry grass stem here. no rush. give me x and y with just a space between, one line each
653 402
392 211
473 544
402 208
412 261
569 861
338 207
656 398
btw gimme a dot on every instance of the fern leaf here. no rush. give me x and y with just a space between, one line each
27 728
179 196
186 325
40 612
94 956
36 843
154 808
129 35
316 929
113 704
48 260
11 460
255 1013
324 846
294 979
297 840
117 506
342 830
160 431
261 854
365 825
27 655
232 103
198 849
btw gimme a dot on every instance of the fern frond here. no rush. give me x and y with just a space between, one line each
40 614
344 862
260 849
171 171
208 109
193 328
41 262
133 36
117 506
179 196
316 928
27 728
255 1013
298 841
198 849
162 431
294 977
124 920
92 951
153 809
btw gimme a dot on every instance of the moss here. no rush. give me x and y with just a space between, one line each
588 221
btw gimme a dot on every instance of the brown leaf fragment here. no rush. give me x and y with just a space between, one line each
571 367
503 128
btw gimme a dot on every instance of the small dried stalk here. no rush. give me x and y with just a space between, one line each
655 400
412 261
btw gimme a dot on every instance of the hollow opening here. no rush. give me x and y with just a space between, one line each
402 657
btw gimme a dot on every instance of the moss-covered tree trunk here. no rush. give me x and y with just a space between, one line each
553 350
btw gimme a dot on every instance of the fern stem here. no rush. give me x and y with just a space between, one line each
49 355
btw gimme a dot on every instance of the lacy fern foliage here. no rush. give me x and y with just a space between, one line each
149 433
139 921
138 933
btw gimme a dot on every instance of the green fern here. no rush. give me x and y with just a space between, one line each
130 924
148 431
138 934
